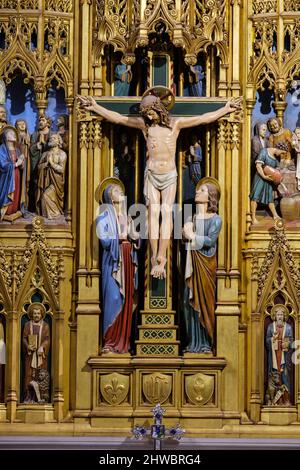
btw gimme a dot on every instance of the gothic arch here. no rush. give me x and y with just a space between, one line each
160 12
57 69
36 280
264 62
18 59
204 43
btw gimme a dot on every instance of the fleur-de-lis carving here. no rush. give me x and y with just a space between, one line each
113 389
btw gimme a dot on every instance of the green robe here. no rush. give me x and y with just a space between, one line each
262 190
199 294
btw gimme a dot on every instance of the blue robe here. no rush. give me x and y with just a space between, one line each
195 166
121 88
7 181
112 294
107 231
196 88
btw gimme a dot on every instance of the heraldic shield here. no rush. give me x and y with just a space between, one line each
199 388
114 388
157 387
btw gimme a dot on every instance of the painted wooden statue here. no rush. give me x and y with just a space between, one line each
124 165
11 165
123 77
202 235
51 179
24 145
258 142
196 77
63 130
119 241
296 146
279 340
3 116
36 344
194 160
278 134
266 179
38 145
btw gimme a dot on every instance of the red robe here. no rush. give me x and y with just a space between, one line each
30 372
117 335
15 205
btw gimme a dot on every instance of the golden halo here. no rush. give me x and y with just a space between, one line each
279 307
34 305
107 182
8 127
210 180
165 95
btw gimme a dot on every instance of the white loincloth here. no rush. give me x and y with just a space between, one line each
159 181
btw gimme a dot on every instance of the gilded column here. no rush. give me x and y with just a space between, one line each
228 308
245 205
12 365
39 85
71 156
97 145
58 370
87 310
280 84
236 41
255 394
85 45
255 337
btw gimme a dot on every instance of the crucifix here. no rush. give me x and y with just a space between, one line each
160 131
126 110
158 431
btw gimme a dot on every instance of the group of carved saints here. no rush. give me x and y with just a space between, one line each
32 168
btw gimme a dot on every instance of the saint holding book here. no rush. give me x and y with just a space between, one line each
36 343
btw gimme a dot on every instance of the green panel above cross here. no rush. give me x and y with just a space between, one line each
183 106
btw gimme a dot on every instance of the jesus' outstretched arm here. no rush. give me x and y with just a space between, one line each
232 106
89 104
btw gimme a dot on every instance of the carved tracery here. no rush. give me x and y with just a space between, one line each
192 26
26 48
274 55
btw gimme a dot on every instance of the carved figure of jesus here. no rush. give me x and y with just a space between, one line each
161 132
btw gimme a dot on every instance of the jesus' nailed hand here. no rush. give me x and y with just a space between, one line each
160 131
